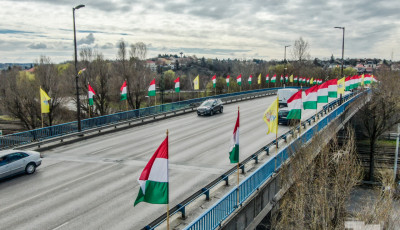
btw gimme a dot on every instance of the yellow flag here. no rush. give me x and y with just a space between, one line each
362 79
312 81
259 79
291 78
44 101
271 117
196 83
341 86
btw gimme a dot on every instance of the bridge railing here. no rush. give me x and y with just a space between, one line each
37 135
217 213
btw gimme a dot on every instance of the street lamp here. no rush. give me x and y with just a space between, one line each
342 28
78 104
284 68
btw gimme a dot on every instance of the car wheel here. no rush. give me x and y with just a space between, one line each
221 110
30 168
211 112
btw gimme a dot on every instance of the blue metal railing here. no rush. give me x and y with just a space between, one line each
31 136
217 213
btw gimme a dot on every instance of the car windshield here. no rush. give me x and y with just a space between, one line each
207 103
283 112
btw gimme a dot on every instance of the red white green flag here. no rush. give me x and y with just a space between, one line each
152 88
250 79
227 80
332 88
322 93
91 93
214 80
124 95
310 101
153 180
177 85
295 105
273 79
347 83
267 78
239 79
234 148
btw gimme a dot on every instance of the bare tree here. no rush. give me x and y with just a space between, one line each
301 50
381 112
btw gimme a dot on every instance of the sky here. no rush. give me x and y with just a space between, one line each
206 28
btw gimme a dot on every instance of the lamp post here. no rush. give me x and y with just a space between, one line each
284 67
342 28
78 104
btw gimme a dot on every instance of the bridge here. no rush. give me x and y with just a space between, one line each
90 181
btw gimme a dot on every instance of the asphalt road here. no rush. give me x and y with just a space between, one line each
92 184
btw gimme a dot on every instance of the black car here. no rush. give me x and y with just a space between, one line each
210 107
282 117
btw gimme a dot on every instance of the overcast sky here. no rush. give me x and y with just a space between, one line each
210 28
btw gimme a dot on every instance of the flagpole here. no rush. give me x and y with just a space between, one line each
238 175
42 119
89 99
168 198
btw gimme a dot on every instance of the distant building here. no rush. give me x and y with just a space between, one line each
152 65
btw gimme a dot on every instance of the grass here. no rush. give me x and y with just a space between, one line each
380 142
7 118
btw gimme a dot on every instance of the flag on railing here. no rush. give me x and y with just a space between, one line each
312 81
273 79
341 86
295 105
281 79
322 93
310 102
296 79
91 93
124 94
214 80
234 148
308 80
286 78
267 78
367 79
259 79
271 117
44 101
196 83
152 88
177 85
291 78
332 88
227 80
347 83
239 79
81 71
250 79
153 180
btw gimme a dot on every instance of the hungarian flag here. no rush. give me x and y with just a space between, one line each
310 102
347 83
239 79
308 80
281 79
152 88
214 80
322 93
177 85
259 79
124 95
295 105
153 180
250 79
332 88
267 78
286 78
227 80
91 93
296 79
234 149
367 79
273 79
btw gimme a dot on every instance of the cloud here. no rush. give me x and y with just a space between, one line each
38 46
108 45
87 40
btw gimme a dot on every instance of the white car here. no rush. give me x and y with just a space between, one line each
14 162
284 95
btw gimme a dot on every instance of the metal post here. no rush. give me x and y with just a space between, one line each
78 104
342 28
397 151
284 67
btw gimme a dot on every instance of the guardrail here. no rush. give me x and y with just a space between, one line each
62 130
217 213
